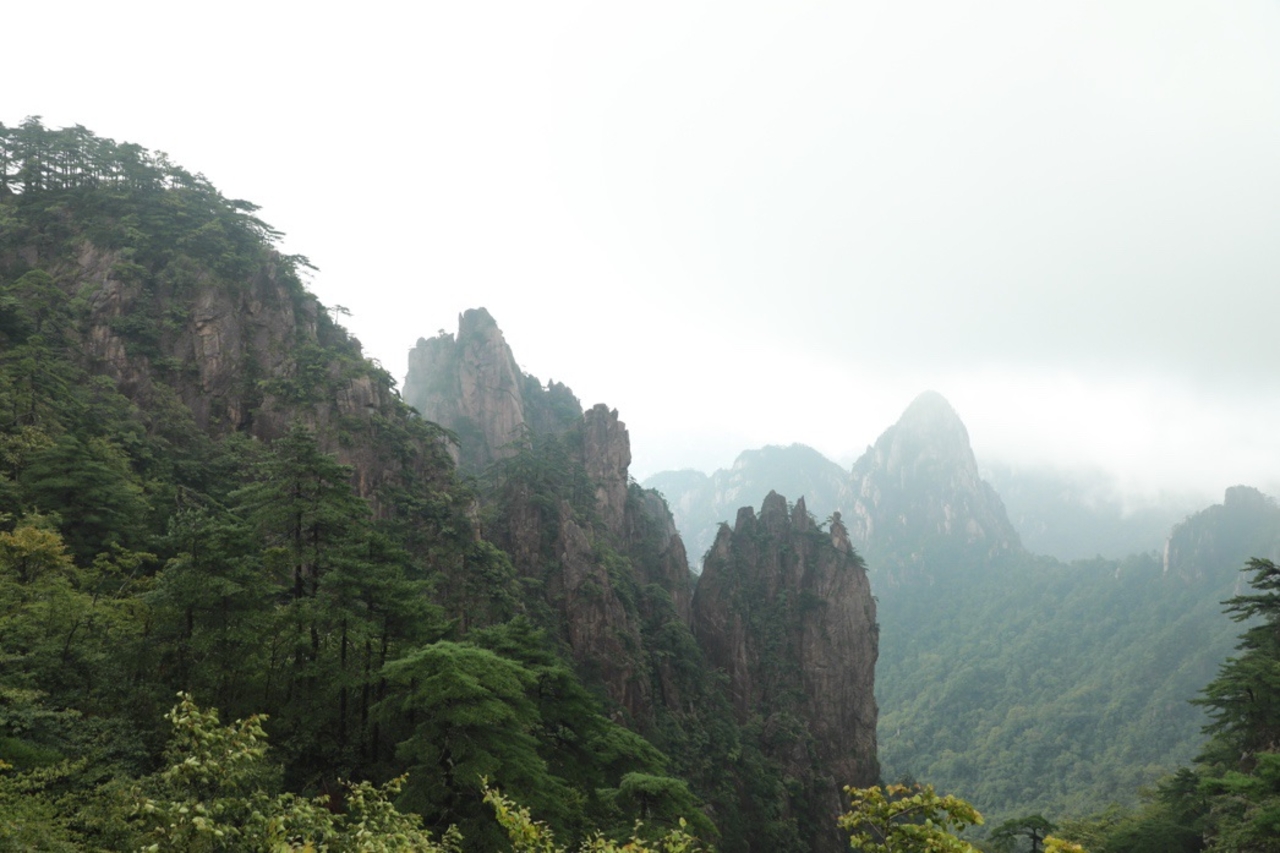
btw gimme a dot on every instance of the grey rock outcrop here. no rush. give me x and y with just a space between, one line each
700 502
589 540
784 609
470 384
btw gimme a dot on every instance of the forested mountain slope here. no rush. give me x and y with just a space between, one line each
921 508
1030 684
205 488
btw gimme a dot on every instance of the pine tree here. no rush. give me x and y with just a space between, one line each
1244 700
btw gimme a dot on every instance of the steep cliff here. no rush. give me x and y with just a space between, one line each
147 277
176 406
472 385
784 609
919 501
605 555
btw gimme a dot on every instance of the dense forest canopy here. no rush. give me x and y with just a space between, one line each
148 546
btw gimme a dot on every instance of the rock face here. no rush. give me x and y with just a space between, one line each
784 609
570 519
650 530
250 356
605 457
472 385
228 332
1217 541
918 495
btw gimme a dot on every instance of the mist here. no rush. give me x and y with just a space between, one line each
741 224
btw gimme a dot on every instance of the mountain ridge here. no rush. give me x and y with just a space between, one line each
619 617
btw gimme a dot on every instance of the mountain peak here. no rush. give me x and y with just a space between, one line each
930 407
1217 541
932 418
472 385
475 320
918 491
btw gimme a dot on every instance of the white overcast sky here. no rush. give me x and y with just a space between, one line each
745 223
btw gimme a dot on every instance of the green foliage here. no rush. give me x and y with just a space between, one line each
32 814
898 819
90 486
1028 832
1053 844
529 836
1244 700
992 683
1230 802
661 802
1245 806
1240 767
64 625
578 742
215 795
469 718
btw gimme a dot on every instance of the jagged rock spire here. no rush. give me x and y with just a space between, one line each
472 385
784 610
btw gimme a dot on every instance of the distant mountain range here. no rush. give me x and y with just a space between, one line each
1069 514
700 503
1029 683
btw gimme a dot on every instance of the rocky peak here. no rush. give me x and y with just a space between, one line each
606 456
570 517
931 428
784 609
1247 499
1217 541
774 515
471 385
918 493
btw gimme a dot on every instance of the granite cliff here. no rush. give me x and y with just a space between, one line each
784 609
604 554
471 384
188 336
177 406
